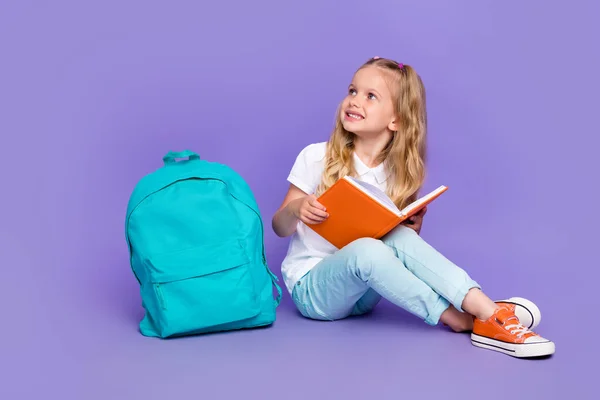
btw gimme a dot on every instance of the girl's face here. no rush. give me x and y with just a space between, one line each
368 109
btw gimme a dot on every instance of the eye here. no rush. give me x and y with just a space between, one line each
352 92
372 96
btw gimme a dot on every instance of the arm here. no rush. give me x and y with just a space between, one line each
416 221
297 205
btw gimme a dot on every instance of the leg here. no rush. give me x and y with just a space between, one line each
353 279
457 320
443 276
495 327
366 303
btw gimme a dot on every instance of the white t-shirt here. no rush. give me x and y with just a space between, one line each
306 247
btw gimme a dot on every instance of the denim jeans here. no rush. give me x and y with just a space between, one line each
400 267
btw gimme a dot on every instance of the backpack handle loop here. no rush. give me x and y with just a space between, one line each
170 157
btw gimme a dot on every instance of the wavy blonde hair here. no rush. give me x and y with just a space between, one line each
404 155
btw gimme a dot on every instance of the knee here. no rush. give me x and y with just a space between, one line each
366 246
367 254
401 234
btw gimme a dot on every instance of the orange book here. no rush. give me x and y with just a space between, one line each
358 209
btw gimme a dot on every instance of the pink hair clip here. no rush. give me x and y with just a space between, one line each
400 65
376 58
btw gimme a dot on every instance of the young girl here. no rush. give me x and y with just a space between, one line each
379 137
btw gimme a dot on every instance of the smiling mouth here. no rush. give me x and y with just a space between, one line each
356 117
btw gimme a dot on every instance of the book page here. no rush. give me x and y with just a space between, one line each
417 203
375 193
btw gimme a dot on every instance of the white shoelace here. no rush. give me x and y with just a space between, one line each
517 329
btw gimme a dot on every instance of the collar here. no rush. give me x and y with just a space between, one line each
361 169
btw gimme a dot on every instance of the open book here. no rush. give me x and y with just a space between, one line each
358 209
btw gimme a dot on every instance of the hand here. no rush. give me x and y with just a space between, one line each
416 221
309 210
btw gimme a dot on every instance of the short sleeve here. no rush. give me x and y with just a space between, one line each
307 170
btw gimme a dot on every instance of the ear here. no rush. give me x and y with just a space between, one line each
394 125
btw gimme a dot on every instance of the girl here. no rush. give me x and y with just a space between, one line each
379 137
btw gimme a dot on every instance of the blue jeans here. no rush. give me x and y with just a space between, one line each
400 267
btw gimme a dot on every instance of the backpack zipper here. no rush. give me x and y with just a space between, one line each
159 296
274 278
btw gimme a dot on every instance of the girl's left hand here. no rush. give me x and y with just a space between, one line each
416 221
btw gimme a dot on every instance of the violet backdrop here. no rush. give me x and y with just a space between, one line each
93 94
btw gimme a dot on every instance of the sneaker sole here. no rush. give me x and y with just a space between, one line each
519 350
528 313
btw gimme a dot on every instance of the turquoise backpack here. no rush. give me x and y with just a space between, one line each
196 246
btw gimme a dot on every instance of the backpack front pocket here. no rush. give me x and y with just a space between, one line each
201 287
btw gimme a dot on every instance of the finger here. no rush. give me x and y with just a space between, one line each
318 212
315 203
316 218
311 220
313 217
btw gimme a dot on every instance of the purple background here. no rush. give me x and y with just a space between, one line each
92 96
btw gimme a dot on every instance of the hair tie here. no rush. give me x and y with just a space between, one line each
376 58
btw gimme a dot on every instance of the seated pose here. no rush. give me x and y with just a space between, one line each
379 137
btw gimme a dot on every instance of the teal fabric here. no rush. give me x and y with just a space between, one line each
196 246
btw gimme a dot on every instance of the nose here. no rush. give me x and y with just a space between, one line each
354 102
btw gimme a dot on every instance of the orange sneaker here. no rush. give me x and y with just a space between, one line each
503 332
528 313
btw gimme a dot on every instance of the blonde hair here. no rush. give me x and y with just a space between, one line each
404 155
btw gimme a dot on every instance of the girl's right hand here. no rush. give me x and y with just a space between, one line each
310 211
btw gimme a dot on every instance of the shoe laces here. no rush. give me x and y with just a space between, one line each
516 328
